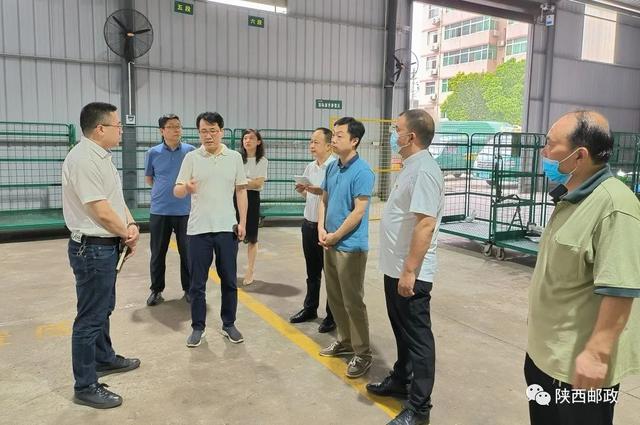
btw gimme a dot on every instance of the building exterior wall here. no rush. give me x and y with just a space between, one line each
445 22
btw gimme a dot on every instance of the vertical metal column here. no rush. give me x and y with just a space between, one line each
129 143
385 154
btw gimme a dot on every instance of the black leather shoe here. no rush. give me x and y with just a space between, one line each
303 316
326 326
97 396
409 417
120 365
187 297
154 298
388 388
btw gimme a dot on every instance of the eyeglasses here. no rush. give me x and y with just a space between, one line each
111 125
211 132
172 127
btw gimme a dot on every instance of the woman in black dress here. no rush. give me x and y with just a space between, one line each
255 167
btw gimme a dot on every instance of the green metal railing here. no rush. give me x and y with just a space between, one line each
483 189
31 156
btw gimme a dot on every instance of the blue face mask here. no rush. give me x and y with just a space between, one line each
393 141
551 169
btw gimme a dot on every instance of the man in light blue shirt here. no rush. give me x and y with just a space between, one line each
167 214
408 240
343 229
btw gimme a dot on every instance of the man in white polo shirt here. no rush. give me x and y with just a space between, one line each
211 174
99 220
408 240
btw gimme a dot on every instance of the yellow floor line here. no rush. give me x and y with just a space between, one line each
337 366
54 329
4 336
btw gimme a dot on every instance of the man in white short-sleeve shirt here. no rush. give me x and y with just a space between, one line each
212 174
320 147
408 235
99 220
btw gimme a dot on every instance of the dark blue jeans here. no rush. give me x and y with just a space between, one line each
94 267
201 250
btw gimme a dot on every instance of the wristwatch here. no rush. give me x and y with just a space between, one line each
133 223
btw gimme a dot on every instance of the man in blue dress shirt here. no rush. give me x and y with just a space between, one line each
168 213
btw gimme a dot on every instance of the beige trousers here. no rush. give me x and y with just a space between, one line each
344 277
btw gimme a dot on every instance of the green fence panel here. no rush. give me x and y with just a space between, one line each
494 189
288 155
518 197
31 157
625 159
499 195
451 152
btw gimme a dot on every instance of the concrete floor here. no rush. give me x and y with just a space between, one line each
479 310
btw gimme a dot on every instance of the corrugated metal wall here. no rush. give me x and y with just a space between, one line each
54 60
613 89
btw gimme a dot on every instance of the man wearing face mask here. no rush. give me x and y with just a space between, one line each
583 334
408 241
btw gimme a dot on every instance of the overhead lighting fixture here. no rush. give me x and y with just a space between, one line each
253 5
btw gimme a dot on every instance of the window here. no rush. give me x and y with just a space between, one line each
470 26
445 85
433 37
432 62
516 46
472 54
430 88
599 34
434 11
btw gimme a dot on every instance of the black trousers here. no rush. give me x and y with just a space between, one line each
314 258
411 323
160 228
562 410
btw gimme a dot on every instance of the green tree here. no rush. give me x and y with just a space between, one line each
488 96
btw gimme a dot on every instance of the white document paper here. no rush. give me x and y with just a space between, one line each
302 180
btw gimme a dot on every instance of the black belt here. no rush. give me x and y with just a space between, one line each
95 240
309 223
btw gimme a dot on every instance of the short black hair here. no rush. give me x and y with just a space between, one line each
597 140
326 133
93 114
162 121
355 128
259 149
211 118
420 123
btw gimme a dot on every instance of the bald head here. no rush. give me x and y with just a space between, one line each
588 129
592 118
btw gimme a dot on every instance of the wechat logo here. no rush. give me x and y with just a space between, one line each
535 392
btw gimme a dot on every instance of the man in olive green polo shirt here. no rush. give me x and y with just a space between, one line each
584 331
